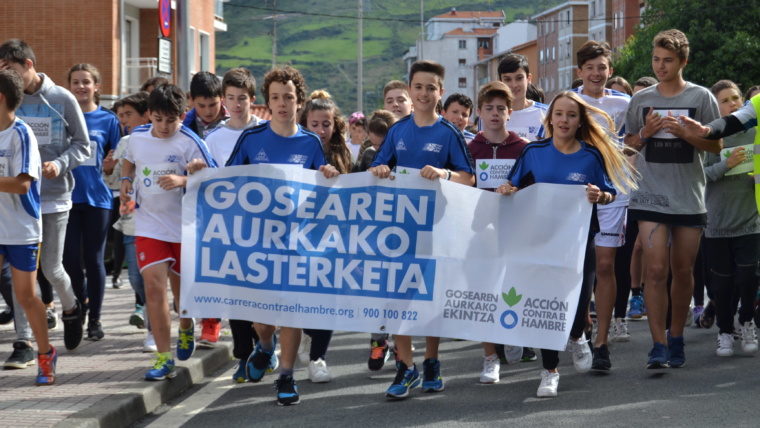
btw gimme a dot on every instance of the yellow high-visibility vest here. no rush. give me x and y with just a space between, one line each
756 156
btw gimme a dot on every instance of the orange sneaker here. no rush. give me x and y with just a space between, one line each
210 332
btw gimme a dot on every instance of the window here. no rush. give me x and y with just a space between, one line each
463 44
462 63
191 51
567 18
541 56
553 52
593 8
484 43
205 51
462 82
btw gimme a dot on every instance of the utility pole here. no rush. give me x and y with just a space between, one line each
360 66
422 28
184 56
274 33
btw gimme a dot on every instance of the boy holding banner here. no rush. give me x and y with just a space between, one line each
423 140
280 141
494 150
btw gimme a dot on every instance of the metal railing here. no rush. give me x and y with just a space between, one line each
137 71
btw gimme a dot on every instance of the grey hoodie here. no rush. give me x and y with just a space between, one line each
58 123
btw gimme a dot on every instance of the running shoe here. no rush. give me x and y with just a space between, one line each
117 283
581 354
698 309
163 367
73 327
658 357
6 316
749 338
149 344
549 384
304 349
52 318
528 355
186 342
46 369
431 371
689 316
725 345
137 318
676 349
491 367
620 331
378 355
240 375
636 307
513 353
601 359
22 356
260 362
406 379
94 330
707 317
318 372
210 328
287 391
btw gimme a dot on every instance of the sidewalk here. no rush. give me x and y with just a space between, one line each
100 383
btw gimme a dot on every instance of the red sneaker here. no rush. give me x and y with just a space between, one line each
46 370
210 332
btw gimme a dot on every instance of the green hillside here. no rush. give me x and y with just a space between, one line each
324 48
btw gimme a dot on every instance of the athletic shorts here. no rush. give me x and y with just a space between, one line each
612 224
21 257
152 251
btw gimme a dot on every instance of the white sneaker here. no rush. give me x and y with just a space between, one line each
491 367
690 316
725 345
318 372
549 384
304 349
749 338
581 354
620 329
149 344
513 353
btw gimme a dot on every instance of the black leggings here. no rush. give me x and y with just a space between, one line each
244 338
320 341
550 358
623 268
733 266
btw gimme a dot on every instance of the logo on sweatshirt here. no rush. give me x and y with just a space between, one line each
400 145
299 159
432 147
262 156
172 159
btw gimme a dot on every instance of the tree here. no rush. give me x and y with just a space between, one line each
724 40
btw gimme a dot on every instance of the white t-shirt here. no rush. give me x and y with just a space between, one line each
528 123
615 104
158 213
222 139
20 215
354 148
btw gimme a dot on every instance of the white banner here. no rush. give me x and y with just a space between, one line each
282 245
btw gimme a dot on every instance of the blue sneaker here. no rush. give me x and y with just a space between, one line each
677 355
186 342
405 380
287 391
658 357
431 372
163 367
261 362
240 376
636 307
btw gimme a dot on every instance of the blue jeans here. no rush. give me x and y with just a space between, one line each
133 271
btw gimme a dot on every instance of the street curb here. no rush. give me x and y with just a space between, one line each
137 400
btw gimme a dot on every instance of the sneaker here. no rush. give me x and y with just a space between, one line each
690 316
405 380
581 354
431 376
287 392
186 342
22 356
707 317
592 309
658 357
491 367
94 330
46 369
749 338
318 372
210 328
378 355
697 313
528 355
163 367
116 282
73 330
636 307
240 375
620 331
149 344
513 353
725 345
601 359
304 349
549 384
6 316
137 318
677 354
396 356
52 318
260 361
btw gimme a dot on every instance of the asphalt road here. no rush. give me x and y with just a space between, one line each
709 391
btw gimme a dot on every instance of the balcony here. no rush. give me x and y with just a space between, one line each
219 24
137 71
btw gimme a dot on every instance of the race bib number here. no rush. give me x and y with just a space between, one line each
746 166
4 169
42 127
150 174
492 173
93 159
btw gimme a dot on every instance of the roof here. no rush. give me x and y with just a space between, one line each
261 111
474 32
474 15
